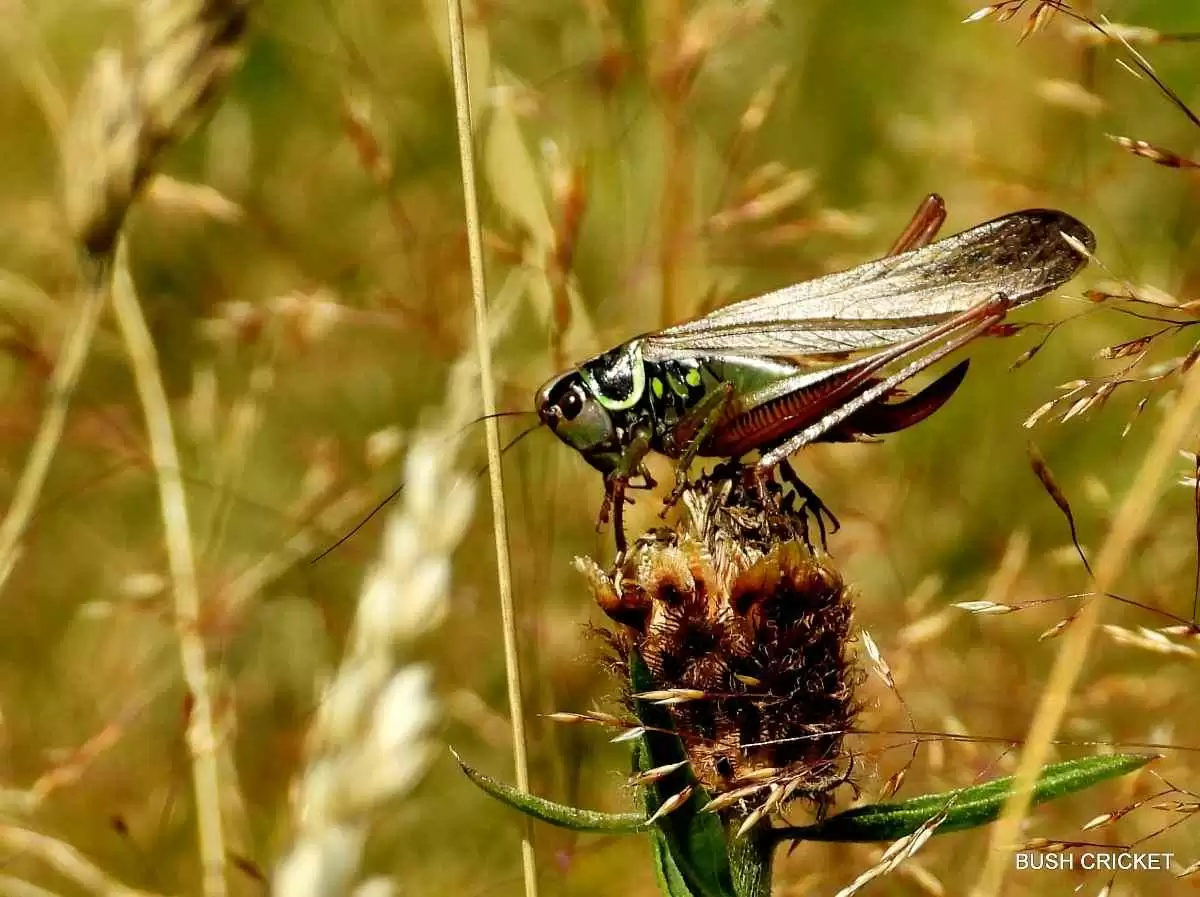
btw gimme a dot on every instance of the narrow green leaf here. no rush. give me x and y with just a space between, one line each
751 858
561 815
671 880
694 842
963 808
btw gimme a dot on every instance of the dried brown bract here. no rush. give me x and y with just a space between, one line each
745 635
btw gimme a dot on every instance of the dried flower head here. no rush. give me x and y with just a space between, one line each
745 635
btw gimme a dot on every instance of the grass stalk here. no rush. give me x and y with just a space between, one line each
1131 520
11 886
201 735
32 66
462 103
58 400
65 860
676 206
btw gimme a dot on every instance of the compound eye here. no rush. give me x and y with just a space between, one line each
571 404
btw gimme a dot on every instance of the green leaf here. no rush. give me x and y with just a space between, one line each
671 880
693 843
963 808
561 815
751 858
694 855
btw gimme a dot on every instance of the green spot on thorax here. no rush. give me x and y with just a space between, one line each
676 387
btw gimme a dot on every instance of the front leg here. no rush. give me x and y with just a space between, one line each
705 417
615 483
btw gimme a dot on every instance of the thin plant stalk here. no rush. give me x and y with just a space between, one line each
201 734
58 400
12 886
675 213
1127 528
65 860
30 65
462 103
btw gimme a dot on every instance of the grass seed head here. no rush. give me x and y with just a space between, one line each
126 115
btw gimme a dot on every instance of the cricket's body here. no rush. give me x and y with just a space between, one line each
769 399
818 361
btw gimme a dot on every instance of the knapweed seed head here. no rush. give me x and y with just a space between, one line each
746 634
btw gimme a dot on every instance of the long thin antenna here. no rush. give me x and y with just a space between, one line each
391 496
462 104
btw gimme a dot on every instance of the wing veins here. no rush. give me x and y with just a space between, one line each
1021 256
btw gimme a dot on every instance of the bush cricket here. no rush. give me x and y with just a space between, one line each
822 360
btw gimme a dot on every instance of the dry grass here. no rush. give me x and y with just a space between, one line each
302 268
120 125
371 739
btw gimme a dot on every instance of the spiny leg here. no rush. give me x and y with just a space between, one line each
614 507
615 484
812 504
820 788
708 412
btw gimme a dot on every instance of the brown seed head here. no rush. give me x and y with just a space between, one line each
730 604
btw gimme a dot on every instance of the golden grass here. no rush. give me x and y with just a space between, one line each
119 128
202 735
1113 558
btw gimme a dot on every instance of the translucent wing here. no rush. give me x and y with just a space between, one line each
1022 255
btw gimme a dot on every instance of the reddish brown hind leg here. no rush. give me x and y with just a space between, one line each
925 224
614 507
969 325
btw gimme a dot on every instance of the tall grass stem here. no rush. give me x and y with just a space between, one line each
58 400
63 859
181 562
462 103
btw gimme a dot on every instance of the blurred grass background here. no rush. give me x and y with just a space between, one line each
318 297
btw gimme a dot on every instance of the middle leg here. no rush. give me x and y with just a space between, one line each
705 417
615 484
